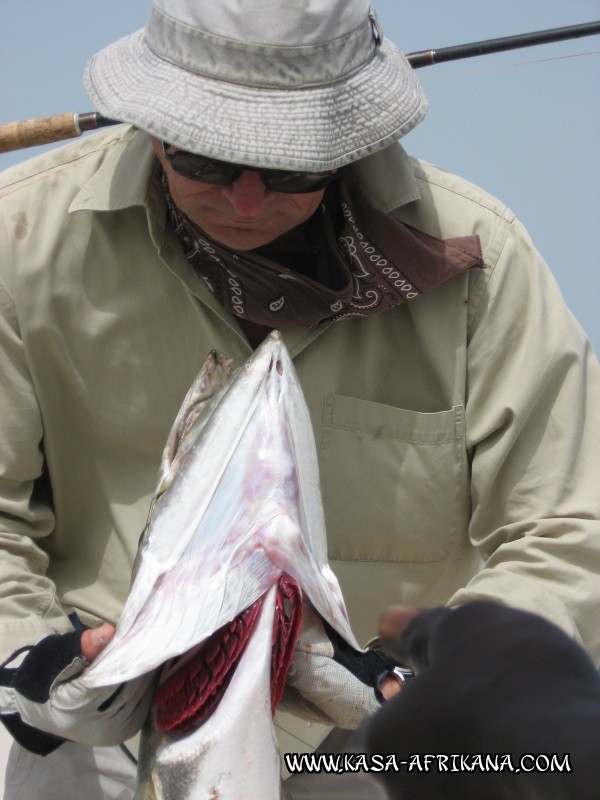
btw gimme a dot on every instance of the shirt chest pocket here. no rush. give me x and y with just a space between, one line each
394 481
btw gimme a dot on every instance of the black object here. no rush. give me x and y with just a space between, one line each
491 680
370 668
426 58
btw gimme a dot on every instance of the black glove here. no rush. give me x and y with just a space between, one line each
491 680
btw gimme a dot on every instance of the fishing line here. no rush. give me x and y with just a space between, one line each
429 77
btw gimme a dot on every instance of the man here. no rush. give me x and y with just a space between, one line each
261 186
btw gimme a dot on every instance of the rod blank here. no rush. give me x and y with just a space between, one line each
426 58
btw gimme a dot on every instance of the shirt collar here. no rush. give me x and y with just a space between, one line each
127 177
124 177
387 178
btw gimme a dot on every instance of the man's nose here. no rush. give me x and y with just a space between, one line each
247 194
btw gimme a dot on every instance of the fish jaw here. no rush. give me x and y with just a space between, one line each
234 754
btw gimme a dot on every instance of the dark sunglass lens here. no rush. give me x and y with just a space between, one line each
205 170
298 182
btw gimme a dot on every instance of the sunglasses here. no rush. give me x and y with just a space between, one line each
222 173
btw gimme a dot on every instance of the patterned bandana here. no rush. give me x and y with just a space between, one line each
378 262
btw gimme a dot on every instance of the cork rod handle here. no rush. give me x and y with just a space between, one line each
42 130
45 130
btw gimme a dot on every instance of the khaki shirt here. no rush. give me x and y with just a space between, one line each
455 431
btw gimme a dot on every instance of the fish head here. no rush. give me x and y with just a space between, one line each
242 508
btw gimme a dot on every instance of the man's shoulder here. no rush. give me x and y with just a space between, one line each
450 206
76 162
450 192
101 172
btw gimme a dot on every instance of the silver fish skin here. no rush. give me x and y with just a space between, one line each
242 507
209 385
235 753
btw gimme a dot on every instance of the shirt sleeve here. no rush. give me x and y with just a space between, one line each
533 435
29 609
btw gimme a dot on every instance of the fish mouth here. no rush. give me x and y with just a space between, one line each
193 685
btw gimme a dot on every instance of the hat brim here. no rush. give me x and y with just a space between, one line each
317 128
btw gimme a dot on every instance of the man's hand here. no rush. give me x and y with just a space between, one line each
389 687
94 640
393 623
329 681
43 703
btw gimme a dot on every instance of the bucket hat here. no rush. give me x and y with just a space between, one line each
285 84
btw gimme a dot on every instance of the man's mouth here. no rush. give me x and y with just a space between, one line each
245 223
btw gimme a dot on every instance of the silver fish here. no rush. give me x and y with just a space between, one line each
237 507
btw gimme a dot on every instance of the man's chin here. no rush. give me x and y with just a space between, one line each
241 238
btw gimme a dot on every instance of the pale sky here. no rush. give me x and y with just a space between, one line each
524 125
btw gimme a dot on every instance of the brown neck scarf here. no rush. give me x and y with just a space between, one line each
372 261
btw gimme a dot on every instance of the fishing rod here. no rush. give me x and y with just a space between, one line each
427 58
57 128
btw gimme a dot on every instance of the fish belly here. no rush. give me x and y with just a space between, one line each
234 754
